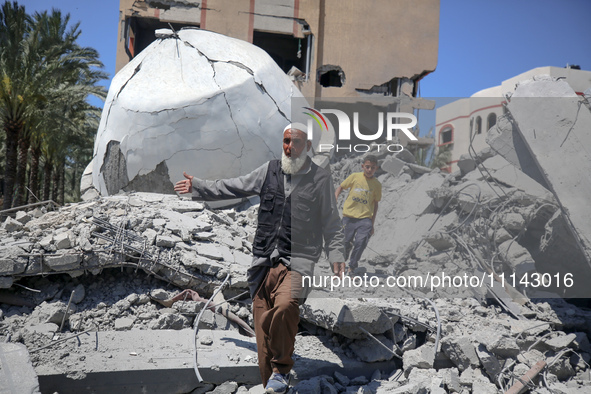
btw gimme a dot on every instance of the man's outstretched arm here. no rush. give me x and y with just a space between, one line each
221 189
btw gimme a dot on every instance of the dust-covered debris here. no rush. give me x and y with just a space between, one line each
123 259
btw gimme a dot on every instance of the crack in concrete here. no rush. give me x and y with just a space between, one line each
260 85
137 70
172 109
242 66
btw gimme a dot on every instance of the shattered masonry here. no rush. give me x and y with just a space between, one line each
127 255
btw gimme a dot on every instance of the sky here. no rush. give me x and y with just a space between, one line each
481 42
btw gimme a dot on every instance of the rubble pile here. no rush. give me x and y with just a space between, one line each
119 263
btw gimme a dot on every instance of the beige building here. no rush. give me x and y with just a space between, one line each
470 118
334 48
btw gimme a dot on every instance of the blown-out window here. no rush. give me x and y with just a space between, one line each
446 135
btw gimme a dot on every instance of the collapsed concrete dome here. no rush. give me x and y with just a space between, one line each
192 101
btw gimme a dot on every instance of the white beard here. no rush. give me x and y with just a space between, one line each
291 165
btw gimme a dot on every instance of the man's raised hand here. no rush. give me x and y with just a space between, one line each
184 186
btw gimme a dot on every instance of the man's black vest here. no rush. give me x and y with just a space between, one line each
292 225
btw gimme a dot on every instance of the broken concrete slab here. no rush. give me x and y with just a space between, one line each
153 361
17 374
461 352
345 317
504 139
504 172
406 223
554 124
422 357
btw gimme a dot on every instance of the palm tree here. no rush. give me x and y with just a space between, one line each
59 75
17 87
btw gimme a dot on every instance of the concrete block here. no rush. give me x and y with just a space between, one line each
345 316
517 257
79 294
63 262
170 321
560 342
124 323
562 369
211 251
460 351
406 156
49 313
64 240
23 217
225 388
480 386
466 164
530 357
422 357
12 225
505 347
471 375
167 241
489 361
17 374
393 165
369 351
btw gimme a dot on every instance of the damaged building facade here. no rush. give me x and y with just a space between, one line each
340 48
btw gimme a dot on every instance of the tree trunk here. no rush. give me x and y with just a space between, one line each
12 130
62 183
55 177
21 170
46 180
34 176
75 185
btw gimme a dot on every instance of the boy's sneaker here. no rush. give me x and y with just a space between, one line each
278 383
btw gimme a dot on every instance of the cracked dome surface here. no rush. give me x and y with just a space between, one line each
195 101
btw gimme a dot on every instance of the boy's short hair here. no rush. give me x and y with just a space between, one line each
371 158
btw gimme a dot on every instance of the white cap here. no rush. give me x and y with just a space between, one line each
297 126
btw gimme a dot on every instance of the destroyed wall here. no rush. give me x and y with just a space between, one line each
195 101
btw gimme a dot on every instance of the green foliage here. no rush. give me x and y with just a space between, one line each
46 79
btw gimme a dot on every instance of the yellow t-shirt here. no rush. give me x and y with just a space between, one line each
362 196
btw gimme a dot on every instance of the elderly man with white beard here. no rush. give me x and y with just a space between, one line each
297 219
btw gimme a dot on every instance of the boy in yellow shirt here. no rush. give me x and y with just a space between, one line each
361 207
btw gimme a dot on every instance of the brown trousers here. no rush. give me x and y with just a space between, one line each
276 317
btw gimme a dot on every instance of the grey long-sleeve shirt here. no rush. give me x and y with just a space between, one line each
250 185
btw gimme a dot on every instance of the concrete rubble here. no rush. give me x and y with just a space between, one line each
85 289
